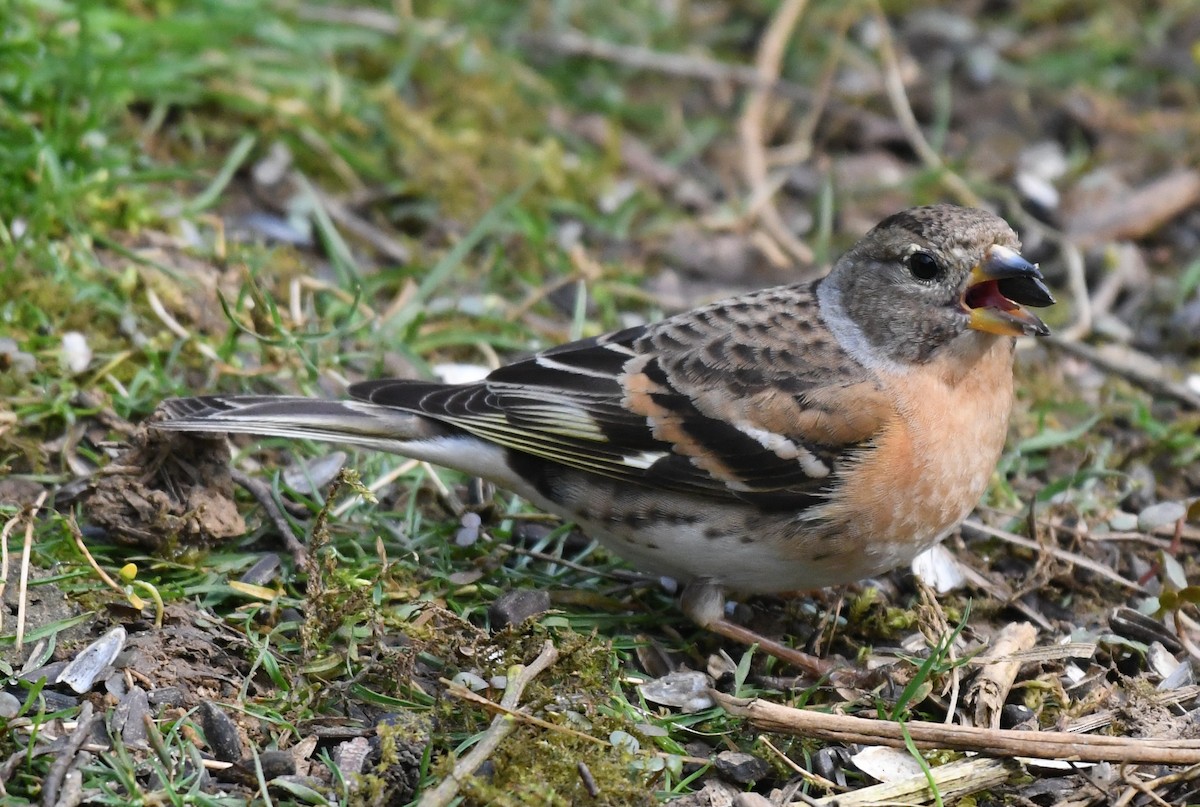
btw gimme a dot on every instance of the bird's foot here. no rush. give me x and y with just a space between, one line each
704 603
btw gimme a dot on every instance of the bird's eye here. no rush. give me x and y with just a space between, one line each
923 266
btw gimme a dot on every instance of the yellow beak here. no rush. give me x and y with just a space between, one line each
998 289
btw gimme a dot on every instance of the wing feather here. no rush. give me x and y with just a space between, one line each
749 399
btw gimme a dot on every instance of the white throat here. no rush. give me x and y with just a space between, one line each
848 334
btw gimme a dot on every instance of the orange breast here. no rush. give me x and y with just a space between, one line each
934 459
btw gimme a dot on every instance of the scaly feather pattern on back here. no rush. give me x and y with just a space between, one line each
735 400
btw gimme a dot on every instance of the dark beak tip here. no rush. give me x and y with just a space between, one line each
1027 289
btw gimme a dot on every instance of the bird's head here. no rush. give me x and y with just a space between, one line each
932 278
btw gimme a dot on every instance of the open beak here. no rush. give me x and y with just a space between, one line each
999 288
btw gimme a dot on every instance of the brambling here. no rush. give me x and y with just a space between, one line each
793 438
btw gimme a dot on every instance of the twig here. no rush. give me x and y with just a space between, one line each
1125 268
767 64
262 494
113 584
356 225
1039 655
1134 370
1166 530
953 780
449 498
807 775
78 536
1131 780
502 725
990 688
1106 717
1080 296
589 781
574 43
636 156
800 148
1055 551
174 327
26 550
54 776
1170 779
893 84
1138 212
460 691
9 526
991 742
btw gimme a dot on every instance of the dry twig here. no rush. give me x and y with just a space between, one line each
81 545
461 692
990 688
9 526
1077 283
74 744
893 83
991 742
953 780
1170 779
574 43
1138 213
172 325
261 492
767 64
503 725
1132 367
26 550
806 775
1055 551
379 240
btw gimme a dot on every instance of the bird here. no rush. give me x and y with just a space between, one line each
788 439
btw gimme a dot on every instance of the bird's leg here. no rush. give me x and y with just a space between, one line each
704 603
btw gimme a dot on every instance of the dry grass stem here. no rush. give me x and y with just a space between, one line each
767 64
1058 745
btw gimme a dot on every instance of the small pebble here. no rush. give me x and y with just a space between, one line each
13 359
1160 515
114 684
513 607
48 672
468 533
276 763
264 570
740 767
130 718
351 756
10 706
166 696
683 689
471 681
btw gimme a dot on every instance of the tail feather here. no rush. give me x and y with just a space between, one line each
354 422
